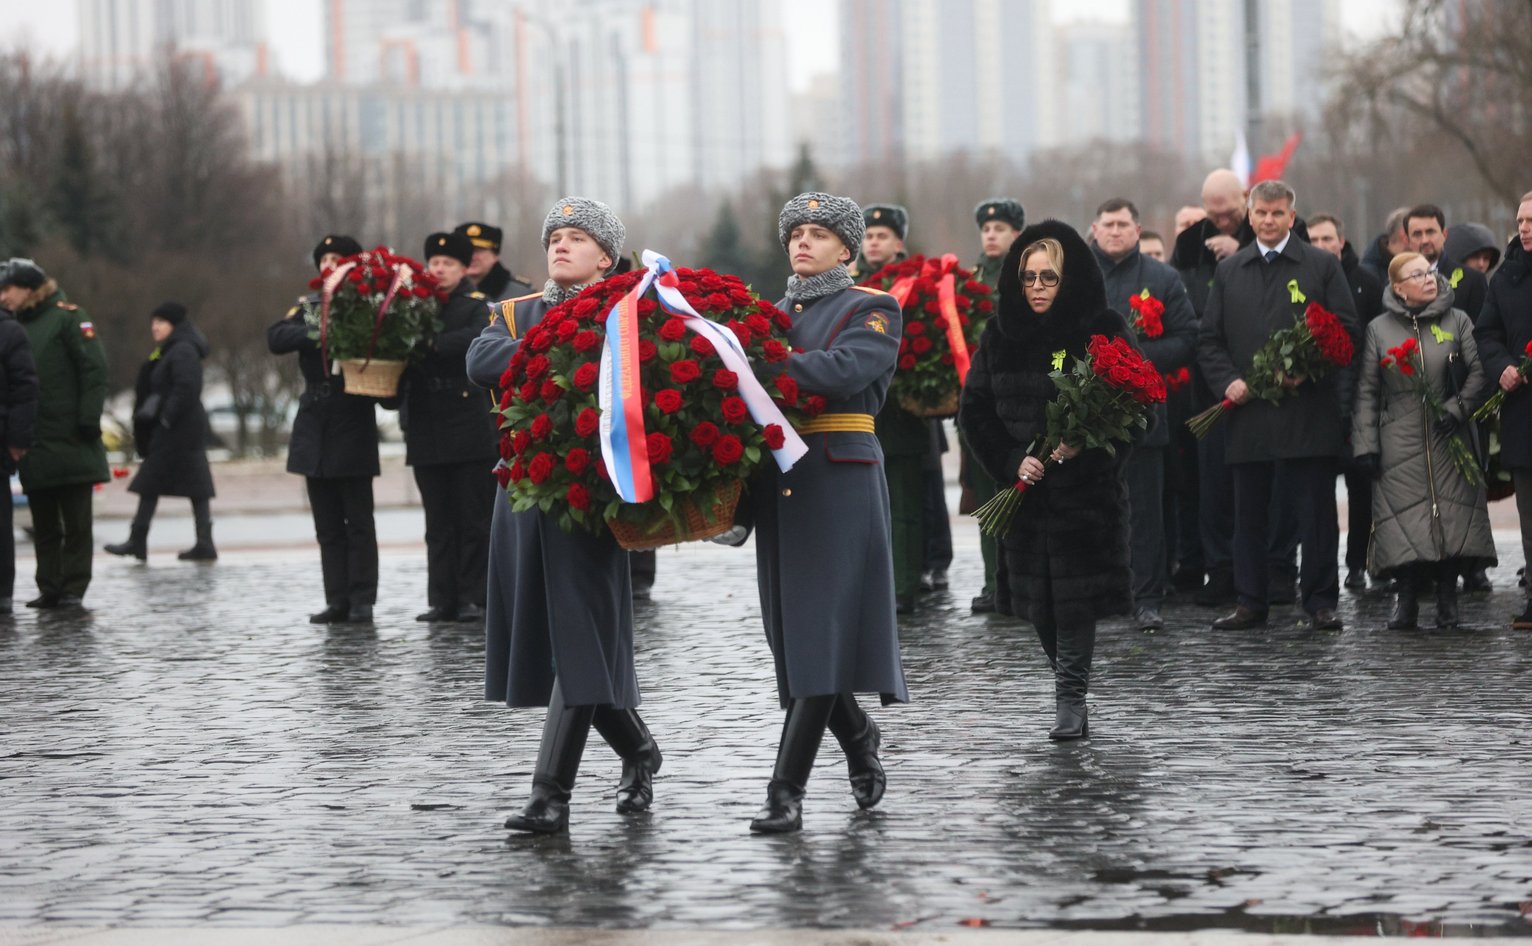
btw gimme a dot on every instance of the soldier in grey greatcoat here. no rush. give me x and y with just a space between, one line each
832 631
559 630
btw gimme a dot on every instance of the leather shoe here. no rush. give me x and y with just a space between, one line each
1148 619
983 603
1240 619
334 614
44 601
783 811
470 614
1325 619
1523 621
437 614
1356 580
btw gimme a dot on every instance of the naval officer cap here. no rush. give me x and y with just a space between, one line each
840 215
455 245
592 216
481 235
335 243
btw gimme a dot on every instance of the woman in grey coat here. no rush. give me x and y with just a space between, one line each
559 627
824 548
1429 521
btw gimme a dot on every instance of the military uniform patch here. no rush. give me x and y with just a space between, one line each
878 324
87 330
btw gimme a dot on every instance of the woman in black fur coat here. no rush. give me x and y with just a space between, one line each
1066 554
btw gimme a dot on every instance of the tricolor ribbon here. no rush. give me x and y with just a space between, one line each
940 271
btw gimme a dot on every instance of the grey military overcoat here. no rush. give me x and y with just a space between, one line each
822 530
558 603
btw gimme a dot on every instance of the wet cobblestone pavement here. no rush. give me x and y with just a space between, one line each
193 752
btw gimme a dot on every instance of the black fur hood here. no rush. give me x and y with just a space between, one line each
1082 291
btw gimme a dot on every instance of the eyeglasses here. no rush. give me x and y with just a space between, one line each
1416 277
1047 277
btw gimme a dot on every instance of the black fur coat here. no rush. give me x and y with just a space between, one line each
1066 555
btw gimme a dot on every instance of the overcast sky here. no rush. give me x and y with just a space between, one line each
295 26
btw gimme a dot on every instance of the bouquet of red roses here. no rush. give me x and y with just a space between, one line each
1406 359
1146 315
1315 345
1101 399
1492 406
694 427
940 302
374 308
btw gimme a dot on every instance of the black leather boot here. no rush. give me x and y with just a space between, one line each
1447 599
558 761
859 739
203 551
137 544
335 612
625 732
1071 680
801 734
1406 612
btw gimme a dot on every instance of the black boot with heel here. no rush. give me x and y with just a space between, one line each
558 762
625 732
802 732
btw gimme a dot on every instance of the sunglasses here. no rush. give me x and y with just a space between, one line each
1047 277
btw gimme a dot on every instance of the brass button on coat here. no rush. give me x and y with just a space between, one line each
787 492
798 307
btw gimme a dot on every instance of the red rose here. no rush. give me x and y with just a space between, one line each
920 344
668 400
576 460
759 325
914 328
588 422
578 496
701 347
1528 350
565 331
985 305
647 308
788 387
528 391
585 376
728 450
1120 376
659 448
646 350
815 405
421 292
506 450
586 340
711 281
673 330
725 380
585 307
540 467
742 332
503 476
907 362
773 436
734 410
704 434
551 391
520 441
542 426
782 320
718 301
505 399
740 296
537 367
947 359
539 339
518 472
774 350
507 377
683 372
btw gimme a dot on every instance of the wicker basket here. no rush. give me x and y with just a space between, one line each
947 408
661 528
375 378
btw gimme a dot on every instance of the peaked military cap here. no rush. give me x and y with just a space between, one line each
893 216
1005 209
455 245
481 235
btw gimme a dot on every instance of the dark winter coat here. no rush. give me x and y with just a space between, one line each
499 284
555 599
1176 346
335 435
1366 289
71 365
447 419
1067 551
1503 331
1423 509
1196 264
1469 287
18 391
823 533
1249 302
175 454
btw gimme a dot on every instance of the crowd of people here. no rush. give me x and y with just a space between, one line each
1243 519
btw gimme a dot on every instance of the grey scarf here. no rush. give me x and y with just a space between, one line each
553 293
818 285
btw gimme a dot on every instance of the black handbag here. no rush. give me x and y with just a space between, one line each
149 411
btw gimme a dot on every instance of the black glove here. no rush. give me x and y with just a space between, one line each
1372 463
90 433
1446 426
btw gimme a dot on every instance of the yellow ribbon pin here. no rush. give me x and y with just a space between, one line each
1441 335
1297 294
1058 360
1457 277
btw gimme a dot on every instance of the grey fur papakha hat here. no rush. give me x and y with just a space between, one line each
893 216
840 215
592 216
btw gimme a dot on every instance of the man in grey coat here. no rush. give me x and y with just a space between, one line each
1171 343
1257 291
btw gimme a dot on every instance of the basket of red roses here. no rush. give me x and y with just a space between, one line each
691 430
940 301
374 308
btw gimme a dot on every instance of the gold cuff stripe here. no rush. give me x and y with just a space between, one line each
838 424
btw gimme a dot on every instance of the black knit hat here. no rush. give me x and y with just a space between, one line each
23 273
481 235
893 216
336 243
172 312
1005 209
455 245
